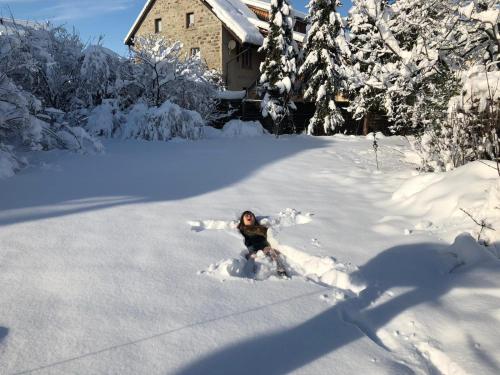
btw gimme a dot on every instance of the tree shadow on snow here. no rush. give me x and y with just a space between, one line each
419 267
137 172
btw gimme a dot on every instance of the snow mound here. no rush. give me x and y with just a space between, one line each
466 252
378 135
235 129
243 129
440 198
287 218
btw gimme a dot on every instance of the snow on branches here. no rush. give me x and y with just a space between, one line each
409 59
403 51
38 82
278 70
158 72
53 89
322 69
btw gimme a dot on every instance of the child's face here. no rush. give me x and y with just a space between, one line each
248 219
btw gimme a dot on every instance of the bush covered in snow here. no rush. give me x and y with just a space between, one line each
157 94
55 92
471 128
9 162
157 72
162 123
236 129
461 138
145 122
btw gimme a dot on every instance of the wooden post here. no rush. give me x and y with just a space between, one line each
366 123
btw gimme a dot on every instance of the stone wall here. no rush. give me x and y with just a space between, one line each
206 34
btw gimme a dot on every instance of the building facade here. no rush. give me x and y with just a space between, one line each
226 33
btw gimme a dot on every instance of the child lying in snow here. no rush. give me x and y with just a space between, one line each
255 236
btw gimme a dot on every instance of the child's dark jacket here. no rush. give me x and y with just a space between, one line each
255 237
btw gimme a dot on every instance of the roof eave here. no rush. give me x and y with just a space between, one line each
138 21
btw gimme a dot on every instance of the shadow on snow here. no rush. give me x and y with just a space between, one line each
417 266
3 333
137 172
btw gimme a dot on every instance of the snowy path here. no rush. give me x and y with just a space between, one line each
118 264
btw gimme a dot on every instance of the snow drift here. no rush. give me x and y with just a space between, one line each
442 198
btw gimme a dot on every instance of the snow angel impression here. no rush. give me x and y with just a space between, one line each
255 236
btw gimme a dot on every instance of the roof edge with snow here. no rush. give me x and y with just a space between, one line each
234 14
147 7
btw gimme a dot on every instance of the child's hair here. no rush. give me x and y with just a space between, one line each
240 224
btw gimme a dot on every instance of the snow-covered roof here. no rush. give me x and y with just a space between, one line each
299 37
266 4
238 18
235 15
9 25
138 20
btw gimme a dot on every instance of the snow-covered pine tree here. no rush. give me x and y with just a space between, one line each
431 66
322 69
278 70
398 64
368 56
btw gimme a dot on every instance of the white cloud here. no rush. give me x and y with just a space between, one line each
66 10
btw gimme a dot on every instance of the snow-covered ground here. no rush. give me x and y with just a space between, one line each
129 262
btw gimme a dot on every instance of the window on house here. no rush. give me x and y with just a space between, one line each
195 51
157 25
189 20
246 59
300 26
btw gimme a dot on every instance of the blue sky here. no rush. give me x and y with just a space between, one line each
92 18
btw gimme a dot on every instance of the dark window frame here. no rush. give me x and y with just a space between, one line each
158 25
188 23
194 50
300 26
246 58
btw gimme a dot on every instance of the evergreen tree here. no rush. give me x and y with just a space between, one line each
322 68
278 70
433 68
399 62
368 54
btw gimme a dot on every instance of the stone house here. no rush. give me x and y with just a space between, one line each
9 26
226 33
